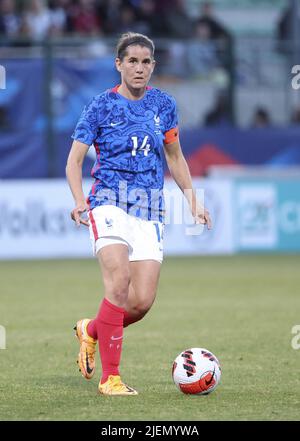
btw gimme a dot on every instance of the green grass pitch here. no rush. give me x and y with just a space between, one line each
241 308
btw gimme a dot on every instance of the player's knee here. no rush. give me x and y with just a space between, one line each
141 308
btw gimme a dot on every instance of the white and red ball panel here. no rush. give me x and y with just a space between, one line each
196 371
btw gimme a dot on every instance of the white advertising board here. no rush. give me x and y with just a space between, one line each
35 220
257 215
182 238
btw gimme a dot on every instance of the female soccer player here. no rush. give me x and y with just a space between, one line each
130 125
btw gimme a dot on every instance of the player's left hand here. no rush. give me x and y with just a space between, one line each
202 216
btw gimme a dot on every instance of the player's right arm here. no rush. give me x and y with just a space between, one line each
74 175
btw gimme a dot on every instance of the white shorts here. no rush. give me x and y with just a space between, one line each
111 225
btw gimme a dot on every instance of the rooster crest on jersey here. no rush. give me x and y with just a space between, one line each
196 371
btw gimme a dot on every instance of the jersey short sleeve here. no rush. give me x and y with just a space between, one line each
87 126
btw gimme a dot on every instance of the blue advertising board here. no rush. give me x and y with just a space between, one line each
267 214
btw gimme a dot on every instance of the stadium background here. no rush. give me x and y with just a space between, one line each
238 98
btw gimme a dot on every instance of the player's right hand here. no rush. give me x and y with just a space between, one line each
77 213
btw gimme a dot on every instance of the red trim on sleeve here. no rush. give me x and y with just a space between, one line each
171 135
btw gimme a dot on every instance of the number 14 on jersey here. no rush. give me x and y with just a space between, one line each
144 146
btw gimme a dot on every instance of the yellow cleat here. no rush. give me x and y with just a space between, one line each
114 386
86 356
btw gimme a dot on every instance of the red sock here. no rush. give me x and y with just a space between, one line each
129 319
110 330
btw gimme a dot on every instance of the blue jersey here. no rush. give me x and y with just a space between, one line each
128 136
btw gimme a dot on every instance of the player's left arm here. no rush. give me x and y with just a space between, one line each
181 174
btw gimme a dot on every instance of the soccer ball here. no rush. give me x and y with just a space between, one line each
196 371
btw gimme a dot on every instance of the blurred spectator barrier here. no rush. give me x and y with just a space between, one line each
269 147
24 155
23 150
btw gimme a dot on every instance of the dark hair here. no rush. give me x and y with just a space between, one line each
131 38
